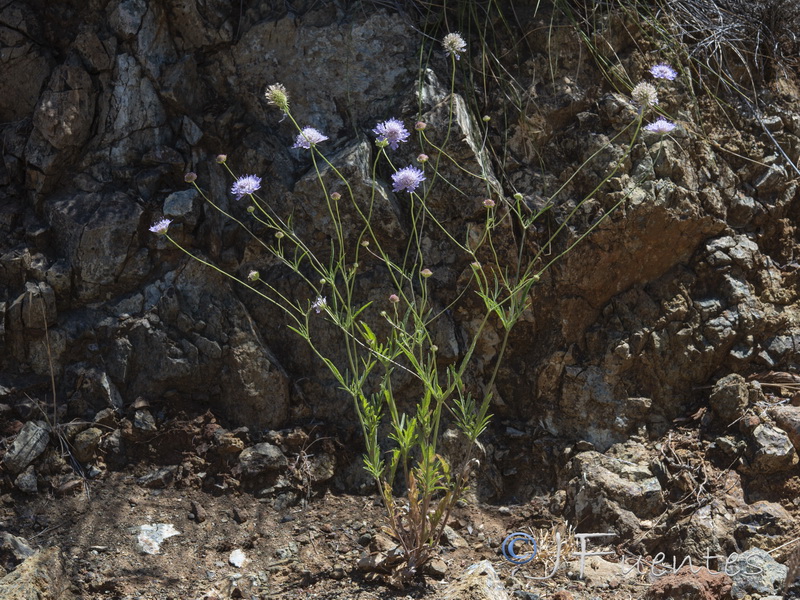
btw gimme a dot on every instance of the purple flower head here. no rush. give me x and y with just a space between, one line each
245 185
392 131
407 179
660 126
663 71
160 227
319 304
309 137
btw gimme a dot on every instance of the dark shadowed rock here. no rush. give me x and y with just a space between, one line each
729 398
262 458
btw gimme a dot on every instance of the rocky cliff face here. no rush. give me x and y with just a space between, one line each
106 104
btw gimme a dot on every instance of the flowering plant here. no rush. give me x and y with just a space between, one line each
394 337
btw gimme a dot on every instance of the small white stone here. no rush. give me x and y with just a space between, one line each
237 558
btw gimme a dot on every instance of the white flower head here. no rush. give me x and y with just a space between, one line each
644 94
454 45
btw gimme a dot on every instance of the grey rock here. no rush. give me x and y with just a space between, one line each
762 524
256 387
25 62
106 417
133 120
453 538
183 205
27 481
262 458
38 306
160 478
97 54
64 114
730 397
97 232
143 421
771 450
758 573
18 548
612 492
27 447
126 18
321 467
771 180
191 131
708 529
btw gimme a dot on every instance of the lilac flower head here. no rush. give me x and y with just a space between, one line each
309 137
245 185
661 126
407 179
319 304
644 95
454 45
392 131
663 71
160 227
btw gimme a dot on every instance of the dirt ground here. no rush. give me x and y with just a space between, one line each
292 536
306 551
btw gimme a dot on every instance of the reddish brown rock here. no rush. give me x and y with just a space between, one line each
685 585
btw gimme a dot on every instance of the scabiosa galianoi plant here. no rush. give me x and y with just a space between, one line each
407 179
661 126
391 131
454 45
160 227
309 137
245 185
663 71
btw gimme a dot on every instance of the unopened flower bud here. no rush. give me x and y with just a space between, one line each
394 298
221 158
422 158
253 276
279 235
336 196
420 125
251 209
488 203
518 197
486 118
190 177
365 243
426 273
